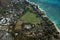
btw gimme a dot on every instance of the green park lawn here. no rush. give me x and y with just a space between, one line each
30 18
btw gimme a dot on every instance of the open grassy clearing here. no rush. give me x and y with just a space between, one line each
30 18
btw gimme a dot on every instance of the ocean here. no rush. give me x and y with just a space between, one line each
51 8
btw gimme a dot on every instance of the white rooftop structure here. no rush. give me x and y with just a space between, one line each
27 26
5 21
44 15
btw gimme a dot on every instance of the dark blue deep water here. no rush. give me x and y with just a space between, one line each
52 9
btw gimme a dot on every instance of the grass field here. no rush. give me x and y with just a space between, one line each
30 18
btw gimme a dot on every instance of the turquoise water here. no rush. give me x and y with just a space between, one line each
52 9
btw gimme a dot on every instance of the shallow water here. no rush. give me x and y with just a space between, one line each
52 9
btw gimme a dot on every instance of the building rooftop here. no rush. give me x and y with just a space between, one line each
27 26
5 21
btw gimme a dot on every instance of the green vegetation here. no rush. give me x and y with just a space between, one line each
29 8
30 18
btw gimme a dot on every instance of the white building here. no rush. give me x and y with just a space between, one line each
5 21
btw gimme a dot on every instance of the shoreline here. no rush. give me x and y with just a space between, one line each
44 14
57 28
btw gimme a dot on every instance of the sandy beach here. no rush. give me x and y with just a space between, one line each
57 28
